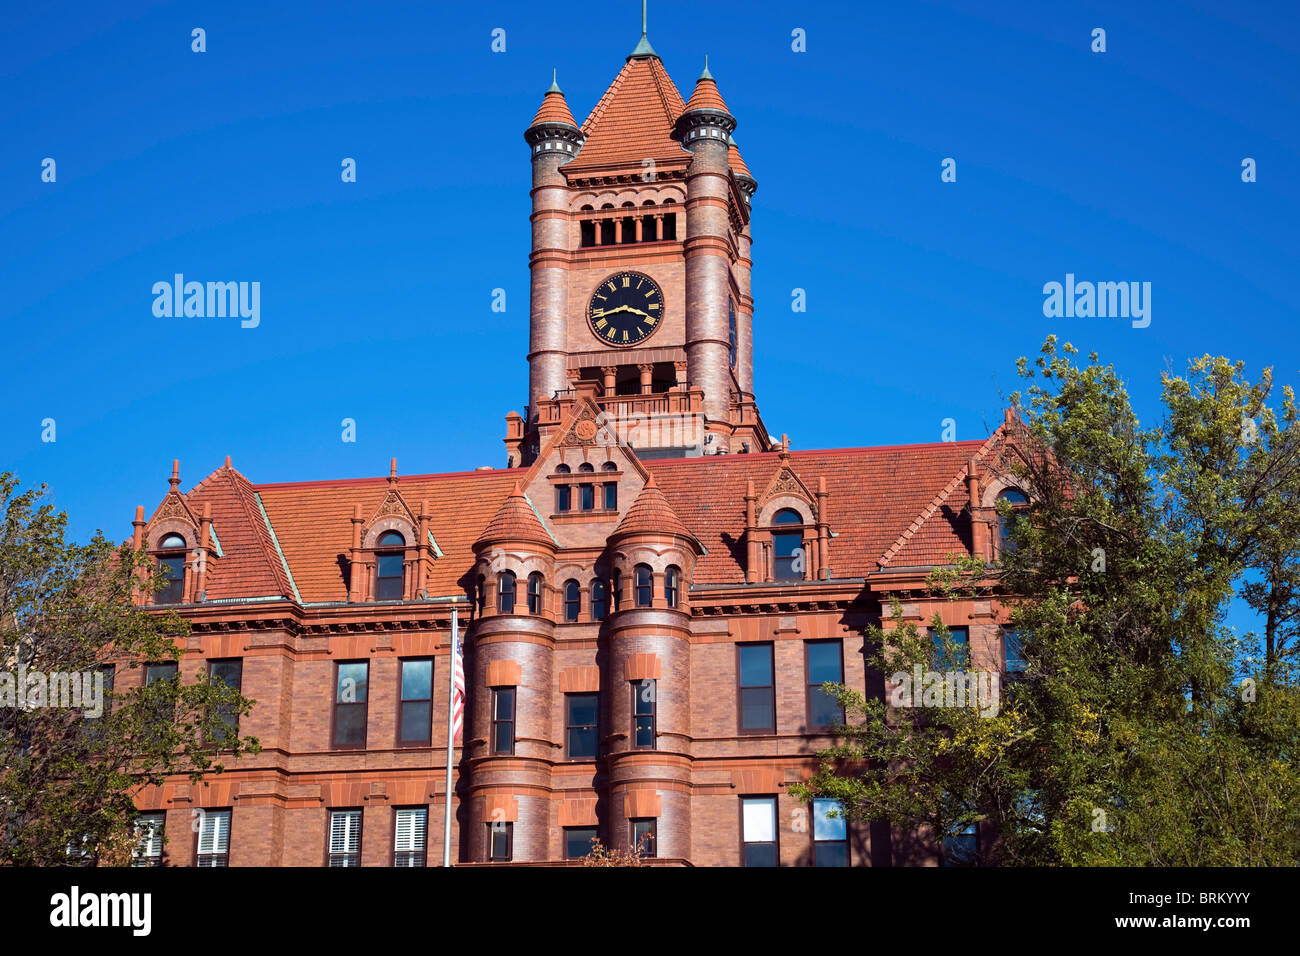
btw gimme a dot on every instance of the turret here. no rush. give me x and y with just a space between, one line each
704 128
553 138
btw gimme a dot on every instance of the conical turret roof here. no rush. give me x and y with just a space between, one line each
516 520
652 513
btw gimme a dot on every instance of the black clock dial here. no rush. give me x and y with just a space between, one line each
625 309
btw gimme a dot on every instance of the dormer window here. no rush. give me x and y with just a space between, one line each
390 566
506 592
1018 502
787 546
171 567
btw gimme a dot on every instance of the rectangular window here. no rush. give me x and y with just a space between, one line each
756 689
213 847
644 836
162 714
577 842
830 834
351 683
345 838
149 831
410 836
588 494
611 496
643 713
580 725
503 720
230 673
824 663
758 831
171 571
389 576
501 841
1013 651
417 703
961 848
959 637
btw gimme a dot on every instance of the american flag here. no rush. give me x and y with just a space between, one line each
458 689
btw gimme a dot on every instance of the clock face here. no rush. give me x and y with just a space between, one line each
625 309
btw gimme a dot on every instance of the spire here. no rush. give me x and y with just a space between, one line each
643 47
516 520
652 514
554 109
706 95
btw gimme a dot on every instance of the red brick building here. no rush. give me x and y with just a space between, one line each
650 593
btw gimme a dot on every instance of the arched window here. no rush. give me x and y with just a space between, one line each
481 595
563 493
610 489
787 546
586 466
599 600
672 584
644 586
506 592
535 593
388 566
171 568
572 600
1017 499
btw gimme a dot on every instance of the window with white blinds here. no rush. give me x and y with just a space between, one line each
411 832
345 838
149 831
214 838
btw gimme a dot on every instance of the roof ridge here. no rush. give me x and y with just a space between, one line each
928 511
282 578
602 104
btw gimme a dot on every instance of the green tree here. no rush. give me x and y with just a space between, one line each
68 779
1145 731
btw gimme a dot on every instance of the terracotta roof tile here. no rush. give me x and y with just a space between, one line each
633 121
249 566
312 521
652 512
874 494
706 97
554 109
517 520
737 164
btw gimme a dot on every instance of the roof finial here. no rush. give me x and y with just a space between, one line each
643 48
555 84
706 75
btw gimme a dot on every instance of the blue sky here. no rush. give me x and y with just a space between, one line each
376 296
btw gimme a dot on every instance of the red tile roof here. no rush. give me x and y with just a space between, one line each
249 565
652 512
516 520
554 109
737 164
894 506
312 521
633 120
706 97
874 494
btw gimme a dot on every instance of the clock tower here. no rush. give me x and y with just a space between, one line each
640 294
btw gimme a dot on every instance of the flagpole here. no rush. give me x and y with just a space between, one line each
451 706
